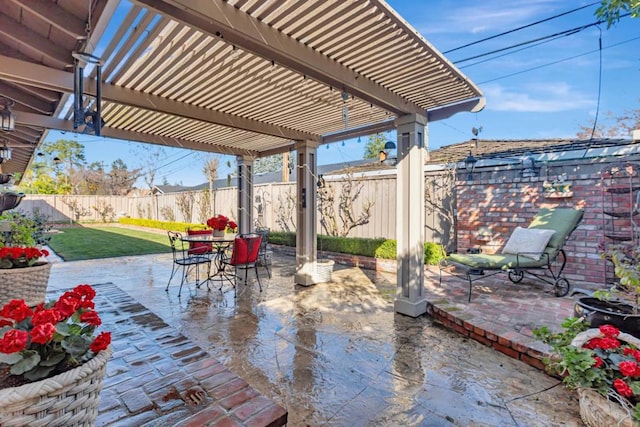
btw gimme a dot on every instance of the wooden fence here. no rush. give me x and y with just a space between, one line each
274 204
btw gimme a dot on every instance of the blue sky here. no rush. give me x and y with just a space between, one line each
543 91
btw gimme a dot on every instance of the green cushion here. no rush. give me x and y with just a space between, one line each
562 220
496 261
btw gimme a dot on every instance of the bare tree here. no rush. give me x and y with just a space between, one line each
185 204
210 170
350 191
440 202
286 211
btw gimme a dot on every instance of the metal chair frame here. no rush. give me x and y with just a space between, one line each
181 258
262 253
242 259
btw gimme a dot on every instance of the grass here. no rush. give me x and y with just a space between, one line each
79 243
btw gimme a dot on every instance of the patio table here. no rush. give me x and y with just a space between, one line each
220 246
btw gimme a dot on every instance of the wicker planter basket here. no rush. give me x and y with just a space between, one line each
29 284
324 268
67 399
597 410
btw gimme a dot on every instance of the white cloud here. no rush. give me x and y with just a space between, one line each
549 97
482 17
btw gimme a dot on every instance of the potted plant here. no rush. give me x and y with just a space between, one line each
618 305
49 355
23 275
603 365
221 224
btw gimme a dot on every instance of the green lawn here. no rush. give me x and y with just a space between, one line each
77 243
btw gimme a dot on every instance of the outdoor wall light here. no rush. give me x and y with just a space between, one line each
5 153
385 155
7 118
470 165
528 166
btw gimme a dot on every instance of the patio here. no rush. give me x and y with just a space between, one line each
330 354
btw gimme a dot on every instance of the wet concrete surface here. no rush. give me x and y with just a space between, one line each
336 354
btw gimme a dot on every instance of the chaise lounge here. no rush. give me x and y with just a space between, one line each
536 250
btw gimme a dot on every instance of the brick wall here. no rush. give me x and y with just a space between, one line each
499 200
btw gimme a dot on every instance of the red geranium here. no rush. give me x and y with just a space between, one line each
53 337
604 359
221 223
19 257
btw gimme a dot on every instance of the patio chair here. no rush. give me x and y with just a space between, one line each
264 252
536 250
200 248
181 258
243 257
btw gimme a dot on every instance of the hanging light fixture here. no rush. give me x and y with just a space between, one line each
5 152
7 118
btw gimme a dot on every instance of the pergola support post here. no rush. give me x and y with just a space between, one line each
410 297
306 213
245 193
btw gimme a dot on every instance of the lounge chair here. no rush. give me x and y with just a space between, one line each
520 255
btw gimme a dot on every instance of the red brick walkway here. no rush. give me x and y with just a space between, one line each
157 377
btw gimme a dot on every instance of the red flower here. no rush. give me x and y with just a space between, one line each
628 368
622 387
609 331
599 362
43 333
233 225
85 291
606 343
14 341
633 352
67 305
16 310
45 316
91 317
101 342
5 322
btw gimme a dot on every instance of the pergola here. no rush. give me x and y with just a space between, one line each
250 78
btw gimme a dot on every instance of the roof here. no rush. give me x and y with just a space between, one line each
502 148
241 77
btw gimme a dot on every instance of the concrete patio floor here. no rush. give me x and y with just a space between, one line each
336 353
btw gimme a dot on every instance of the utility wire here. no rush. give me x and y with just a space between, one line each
520 28
568 32
557 62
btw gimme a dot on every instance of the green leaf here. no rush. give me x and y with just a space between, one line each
10 359
76 345
39 373
30 360
75 329
53 359
63 329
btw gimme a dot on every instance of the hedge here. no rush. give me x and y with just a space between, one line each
377 248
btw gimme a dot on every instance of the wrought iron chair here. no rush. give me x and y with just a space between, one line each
244 256
263 253
200 248
181 258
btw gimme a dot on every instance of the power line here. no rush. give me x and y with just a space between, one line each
520 28
568 32
558 61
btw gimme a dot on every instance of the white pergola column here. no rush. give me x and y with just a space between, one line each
306 213
245 194
410 296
